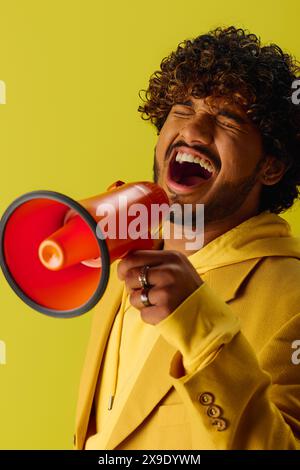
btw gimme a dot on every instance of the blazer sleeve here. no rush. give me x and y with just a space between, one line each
245 401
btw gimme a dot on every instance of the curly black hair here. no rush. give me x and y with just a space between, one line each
232 63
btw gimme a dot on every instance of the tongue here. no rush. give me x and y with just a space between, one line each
188 174
190 180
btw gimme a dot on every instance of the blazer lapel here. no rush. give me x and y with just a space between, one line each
100 329
151 385
227 281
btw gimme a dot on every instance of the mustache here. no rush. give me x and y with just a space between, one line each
200 148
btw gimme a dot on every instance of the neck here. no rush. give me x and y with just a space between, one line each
212 231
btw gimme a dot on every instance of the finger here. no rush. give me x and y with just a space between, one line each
140 258
153 315
161 275
135 298
132 277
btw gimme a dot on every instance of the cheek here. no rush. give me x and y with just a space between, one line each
165 139
239 155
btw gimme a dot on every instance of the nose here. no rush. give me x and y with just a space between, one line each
198 128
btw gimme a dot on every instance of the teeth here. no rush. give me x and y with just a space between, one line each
187 157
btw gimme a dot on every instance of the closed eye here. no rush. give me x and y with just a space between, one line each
182 110
221 118
182 114
230 119
227 124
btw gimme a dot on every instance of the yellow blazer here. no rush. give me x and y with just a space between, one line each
220 374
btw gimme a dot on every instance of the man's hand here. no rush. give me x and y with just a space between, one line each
171 276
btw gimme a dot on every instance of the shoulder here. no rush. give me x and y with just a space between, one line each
275 284
280 271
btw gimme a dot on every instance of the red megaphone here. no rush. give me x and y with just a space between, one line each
55 253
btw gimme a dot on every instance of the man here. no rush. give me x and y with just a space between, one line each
193 350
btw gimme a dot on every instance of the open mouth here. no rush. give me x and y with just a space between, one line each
187 170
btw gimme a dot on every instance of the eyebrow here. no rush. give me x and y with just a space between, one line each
221 112
186 103
232 115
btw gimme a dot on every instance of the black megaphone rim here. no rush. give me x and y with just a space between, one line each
101 243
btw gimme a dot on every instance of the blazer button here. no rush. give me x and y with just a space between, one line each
206 398
219 423
214 411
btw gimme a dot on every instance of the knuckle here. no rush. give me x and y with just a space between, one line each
132 297
163 296
174 255
164 311
129 275
169 275
180 256
122 268
119 268
177 256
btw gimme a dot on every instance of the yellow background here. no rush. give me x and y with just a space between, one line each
73 70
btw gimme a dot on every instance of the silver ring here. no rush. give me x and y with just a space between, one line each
144 297
143 276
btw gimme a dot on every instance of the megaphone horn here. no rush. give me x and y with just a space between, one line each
54 254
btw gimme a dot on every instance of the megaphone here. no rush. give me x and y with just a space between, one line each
54 252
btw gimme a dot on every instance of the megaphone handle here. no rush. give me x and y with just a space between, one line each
115 185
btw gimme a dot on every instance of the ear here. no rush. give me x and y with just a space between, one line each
272 170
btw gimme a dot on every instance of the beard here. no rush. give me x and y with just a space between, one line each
227 200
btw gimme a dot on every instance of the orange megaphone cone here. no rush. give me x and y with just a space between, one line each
54 252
